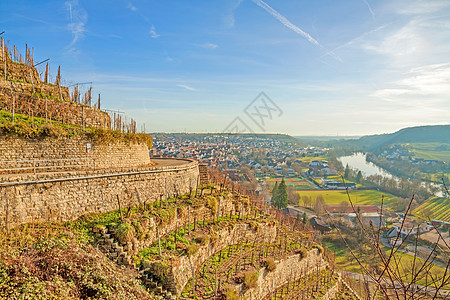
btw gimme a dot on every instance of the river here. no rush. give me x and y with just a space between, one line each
358 161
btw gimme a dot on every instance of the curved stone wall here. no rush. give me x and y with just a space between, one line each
67 196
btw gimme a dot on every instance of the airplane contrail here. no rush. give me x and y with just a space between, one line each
332 52
370 8
286 22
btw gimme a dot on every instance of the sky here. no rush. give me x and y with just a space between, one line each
300 67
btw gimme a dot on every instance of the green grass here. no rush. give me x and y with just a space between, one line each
309 159
297 183
361 197
433 151
435 208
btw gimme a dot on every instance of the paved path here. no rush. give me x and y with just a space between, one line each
169 162
300 211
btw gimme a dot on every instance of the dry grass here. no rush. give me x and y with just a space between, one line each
53 262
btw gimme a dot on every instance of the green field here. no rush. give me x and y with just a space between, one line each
361 197
435 208
297 183
433 151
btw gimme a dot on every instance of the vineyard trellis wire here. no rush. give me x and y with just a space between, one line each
57 107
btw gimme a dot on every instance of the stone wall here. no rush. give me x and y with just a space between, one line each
67 196
197 213
67 154
292 267
65 111
23 82
23 88
184 266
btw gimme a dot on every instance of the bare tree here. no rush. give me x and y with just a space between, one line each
388 273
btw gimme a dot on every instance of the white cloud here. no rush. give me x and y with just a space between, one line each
187 87
131 7
405 41
78 19
209 46
420 7
285 21
153 33
229 17
426 87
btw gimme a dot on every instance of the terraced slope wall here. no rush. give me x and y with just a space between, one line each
23 82
66 154
183 268
286 270
67 196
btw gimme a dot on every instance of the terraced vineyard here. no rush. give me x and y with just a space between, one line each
313 285
435 208
233 263
216 243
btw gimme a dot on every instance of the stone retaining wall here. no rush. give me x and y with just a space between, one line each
196 212
63 197
288 269
66 111
65 154
184 266
23 82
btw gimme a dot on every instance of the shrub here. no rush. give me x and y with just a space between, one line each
125 233
318 247
212 204
231 293
269 264
202 239
303 252
251 279
254 226
192 249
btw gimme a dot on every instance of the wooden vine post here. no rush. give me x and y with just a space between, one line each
120 208
189 219
159 241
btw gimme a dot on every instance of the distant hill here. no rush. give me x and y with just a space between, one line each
309 138
419 134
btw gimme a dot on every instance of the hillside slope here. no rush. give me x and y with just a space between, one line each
54 262
434 208
419 134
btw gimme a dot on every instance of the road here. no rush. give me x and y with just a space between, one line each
300 211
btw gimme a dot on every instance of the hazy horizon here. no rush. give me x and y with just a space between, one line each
347 68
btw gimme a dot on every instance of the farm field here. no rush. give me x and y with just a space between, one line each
361 197
309 159
433 151
435 208
297 183
337 178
